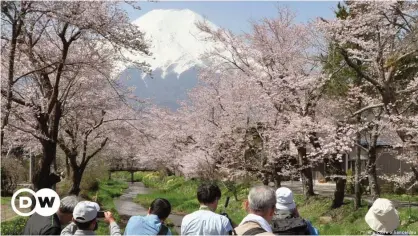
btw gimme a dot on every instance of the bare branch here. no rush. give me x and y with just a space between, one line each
97 150
367 108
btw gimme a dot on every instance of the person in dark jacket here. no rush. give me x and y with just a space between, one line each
286 220
52 225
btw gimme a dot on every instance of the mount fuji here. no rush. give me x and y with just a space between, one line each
177 46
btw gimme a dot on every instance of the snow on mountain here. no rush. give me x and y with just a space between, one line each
175 41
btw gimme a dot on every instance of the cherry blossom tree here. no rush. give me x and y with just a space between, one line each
92 119
164 140
58 40
14 18
276 63
382 51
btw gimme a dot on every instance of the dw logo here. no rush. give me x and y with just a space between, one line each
47 202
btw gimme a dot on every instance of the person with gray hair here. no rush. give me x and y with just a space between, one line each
51 225
260 207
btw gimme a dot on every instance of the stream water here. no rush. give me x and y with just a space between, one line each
126 207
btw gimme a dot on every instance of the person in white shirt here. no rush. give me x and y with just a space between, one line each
205 221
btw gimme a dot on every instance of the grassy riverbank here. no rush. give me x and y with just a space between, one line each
182 195
104 194
401 197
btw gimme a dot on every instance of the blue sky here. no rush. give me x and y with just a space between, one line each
235 15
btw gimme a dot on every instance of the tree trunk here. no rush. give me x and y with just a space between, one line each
357 192
55 165
277 180
265 179
340 183
335 169
16 30
306 173
67 167
357 173
308 182
76 181
42 177
339 193
49 125
371 171
264 175
415 171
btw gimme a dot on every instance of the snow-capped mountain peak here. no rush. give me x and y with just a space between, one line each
175 42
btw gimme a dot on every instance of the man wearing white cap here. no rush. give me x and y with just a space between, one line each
286 219
382 217
85 220
51 225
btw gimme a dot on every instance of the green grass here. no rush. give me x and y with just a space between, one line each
182 194
13 227
345 220
6 200
104 195
15 224
126 176
138 177
401 197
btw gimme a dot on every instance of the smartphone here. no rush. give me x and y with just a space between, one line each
100 214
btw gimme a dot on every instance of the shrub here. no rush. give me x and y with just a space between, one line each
107 190
63 187
390 187
123 175
12 173
206 171
350 182
236 187
96 170
13 227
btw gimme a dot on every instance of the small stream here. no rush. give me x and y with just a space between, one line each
126 206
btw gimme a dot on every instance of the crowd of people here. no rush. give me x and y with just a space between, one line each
270 212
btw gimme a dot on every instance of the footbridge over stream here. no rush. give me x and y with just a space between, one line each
132 166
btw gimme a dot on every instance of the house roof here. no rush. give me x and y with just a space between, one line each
386 138
379 143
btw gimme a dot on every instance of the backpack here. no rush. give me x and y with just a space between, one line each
290 226
163 230
254 231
